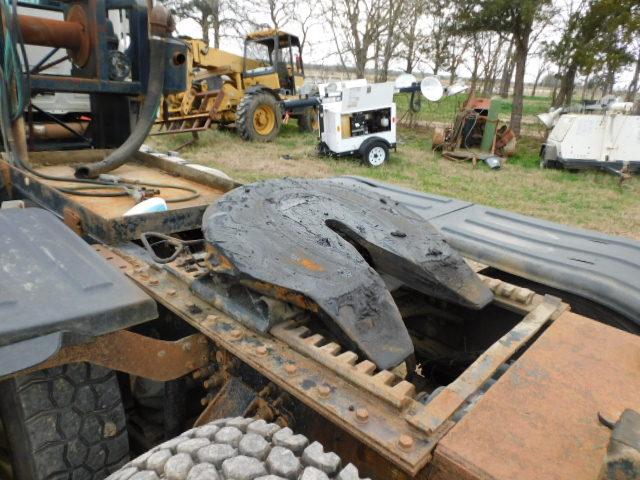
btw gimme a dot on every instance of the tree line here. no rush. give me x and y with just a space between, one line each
573 42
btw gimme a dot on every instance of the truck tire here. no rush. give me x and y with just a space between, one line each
64 423
258 118
239 449
308 120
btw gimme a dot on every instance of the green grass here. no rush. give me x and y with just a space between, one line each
589 199
445 109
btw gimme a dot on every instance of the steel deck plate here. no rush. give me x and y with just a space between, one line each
537 422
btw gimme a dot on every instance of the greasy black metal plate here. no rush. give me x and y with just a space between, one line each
52 281
311 237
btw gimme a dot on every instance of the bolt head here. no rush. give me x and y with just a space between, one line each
362 414
405 442
237 334
212 318
171 292
324 390
261 350
154 282
290 368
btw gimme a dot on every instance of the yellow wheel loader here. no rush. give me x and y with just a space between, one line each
248 90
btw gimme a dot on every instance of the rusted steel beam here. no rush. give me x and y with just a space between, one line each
136 354
337 400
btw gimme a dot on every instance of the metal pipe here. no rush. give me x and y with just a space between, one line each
53 131
51 33
301 103
71 34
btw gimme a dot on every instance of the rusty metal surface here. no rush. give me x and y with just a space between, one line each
383 384
445 404
334 398
102 217
136 354
314 240
334 389
540 420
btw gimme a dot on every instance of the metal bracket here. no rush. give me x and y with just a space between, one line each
136 354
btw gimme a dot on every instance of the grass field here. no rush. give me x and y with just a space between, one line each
588 199
445 109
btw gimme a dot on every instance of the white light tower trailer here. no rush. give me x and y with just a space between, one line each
360 119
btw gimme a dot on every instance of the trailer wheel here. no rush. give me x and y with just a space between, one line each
308 120
64 422
375 153
240 449
258 117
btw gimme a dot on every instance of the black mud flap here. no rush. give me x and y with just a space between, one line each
56 290
323 246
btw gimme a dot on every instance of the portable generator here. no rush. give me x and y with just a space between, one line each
360 119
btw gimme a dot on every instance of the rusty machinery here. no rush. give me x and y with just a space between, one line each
326 307
476 133
249 90
112 71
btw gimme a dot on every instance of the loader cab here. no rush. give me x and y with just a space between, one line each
273 58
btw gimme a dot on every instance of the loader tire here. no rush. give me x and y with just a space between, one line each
308 120
64 423
259 117
239 449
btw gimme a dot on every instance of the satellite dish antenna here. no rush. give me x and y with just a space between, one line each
431 88
405 80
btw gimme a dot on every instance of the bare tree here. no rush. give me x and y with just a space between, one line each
457 52
507 70
494 48
507 17
542 69
413 36
210 15
355 26
632 91
389 38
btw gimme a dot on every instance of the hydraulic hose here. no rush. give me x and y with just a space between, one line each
147 117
